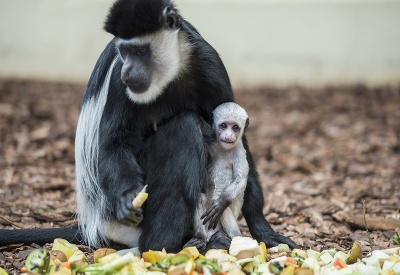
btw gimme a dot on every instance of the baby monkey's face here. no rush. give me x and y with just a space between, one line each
229 132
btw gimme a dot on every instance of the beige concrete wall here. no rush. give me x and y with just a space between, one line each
306 42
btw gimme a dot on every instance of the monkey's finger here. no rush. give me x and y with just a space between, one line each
137 210
205 214
210 216
214 221
129 223
209 211
135 216
132 220
207 217
212 224
121 213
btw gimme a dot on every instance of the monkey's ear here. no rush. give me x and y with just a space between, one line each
246 125
170 18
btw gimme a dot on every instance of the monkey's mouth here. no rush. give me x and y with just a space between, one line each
135 90
227 141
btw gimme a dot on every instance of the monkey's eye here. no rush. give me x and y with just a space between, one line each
140 51
123 52
223 126
235 128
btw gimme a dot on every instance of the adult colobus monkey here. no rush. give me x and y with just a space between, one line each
153 87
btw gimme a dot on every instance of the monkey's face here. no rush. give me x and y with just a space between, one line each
152 61
229 132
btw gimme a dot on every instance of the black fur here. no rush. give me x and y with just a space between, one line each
131 18
40 236
172 160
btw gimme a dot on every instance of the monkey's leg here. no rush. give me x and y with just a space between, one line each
174 161
229 224
199 238
252 209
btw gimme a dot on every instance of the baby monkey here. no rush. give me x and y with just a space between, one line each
227 173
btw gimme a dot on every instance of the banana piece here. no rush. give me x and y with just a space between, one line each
140 198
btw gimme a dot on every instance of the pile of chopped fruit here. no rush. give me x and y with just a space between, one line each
245 256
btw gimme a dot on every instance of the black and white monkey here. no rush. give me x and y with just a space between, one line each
222 203
155 84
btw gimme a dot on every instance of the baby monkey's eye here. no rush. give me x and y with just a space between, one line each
235 128
223 126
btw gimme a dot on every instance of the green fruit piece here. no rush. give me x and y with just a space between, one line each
326 258
355 253
3 272
275 267
396 239
297 253
159 267
179 259
38 261
213 267
249 267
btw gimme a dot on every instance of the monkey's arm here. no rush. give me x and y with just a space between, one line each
120 177
229 194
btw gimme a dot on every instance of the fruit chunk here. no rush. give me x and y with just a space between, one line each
214 254
355 253
38 261
64 246
191 251
244 254
140 198
153 257
77 256
57 254
208 264
242 244
263 250
101 252
179 259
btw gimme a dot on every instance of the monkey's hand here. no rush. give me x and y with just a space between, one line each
126 213
214 213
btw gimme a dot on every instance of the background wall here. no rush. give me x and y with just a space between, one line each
278 42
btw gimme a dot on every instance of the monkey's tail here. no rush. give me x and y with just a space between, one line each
39 236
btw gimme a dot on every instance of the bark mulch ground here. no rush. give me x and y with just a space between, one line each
320 154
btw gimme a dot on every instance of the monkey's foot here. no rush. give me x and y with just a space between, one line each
219 241
272 238
199 243
275 239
